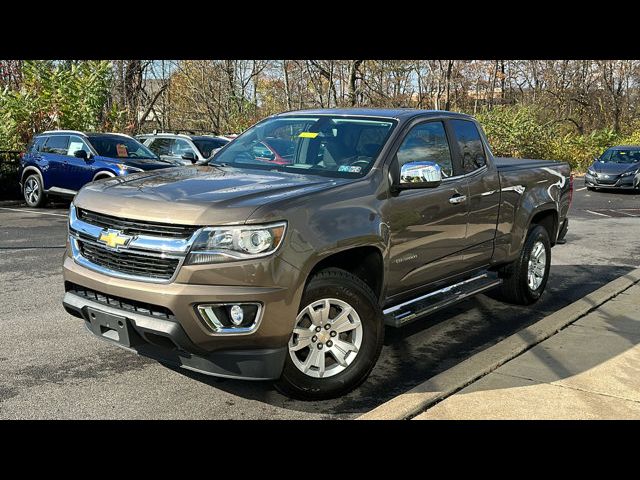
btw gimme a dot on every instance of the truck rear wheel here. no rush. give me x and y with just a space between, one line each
336 340
525 279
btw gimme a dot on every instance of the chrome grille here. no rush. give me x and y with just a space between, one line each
136 227
148 266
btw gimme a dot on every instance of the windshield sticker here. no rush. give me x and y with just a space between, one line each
349 168
308 134
122 150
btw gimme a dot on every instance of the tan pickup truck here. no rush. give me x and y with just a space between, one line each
287 255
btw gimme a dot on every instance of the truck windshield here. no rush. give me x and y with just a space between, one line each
621 156
336 146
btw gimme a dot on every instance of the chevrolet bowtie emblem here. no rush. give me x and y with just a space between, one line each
113 238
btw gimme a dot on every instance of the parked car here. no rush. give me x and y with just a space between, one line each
60 162
290 272
186 149
617 167
273 150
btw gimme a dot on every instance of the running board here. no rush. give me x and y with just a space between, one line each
406 312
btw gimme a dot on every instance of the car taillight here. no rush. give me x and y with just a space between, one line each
570 188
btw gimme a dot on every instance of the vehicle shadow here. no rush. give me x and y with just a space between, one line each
619 191
431 345
586 358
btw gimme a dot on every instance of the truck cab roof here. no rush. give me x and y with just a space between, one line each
396 113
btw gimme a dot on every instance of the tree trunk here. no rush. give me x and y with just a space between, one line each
287 87
353 77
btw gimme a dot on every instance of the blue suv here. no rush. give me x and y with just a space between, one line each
61 162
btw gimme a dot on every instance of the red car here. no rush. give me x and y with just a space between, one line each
274 150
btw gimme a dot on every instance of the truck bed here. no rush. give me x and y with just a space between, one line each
505 164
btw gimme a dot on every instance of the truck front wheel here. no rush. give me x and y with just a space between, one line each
524 280
336 340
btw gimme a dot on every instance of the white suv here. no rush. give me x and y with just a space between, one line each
187 149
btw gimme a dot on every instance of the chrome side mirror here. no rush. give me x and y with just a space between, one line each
420 175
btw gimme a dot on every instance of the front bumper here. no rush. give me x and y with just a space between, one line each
166 341
621 182
184 338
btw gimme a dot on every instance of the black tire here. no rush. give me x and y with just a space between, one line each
515 288
34 198
341 285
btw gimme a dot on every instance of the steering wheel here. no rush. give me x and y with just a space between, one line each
362 163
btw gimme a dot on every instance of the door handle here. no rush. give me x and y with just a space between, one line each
457 198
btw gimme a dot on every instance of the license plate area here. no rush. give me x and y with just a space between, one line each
114 328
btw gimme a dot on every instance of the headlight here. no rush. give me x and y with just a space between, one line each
224 244
591 172
128 168
627 174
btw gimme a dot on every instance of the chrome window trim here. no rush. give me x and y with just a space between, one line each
477 171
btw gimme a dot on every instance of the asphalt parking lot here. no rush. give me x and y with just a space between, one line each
50 367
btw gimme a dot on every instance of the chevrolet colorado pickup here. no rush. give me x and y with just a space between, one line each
290 271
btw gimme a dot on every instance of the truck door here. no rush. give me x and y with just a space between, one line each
427 226
484 193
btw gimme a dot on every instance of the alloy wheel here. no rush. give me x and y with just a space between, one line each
326 338
32 191
537 265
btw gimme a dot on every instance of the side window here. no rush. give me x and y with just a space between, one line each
75 144
57 144
161 146
37 144
180 147
427 142
261 152
469 144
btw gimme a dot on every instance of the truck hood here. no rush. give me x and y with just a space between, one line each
612 168
197 195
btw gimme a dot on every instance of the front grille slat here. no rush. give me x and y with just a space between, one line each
129 262
120 303
137 227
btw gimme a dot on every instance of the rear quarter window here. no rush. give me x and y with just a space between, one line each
469 145
36 144
57 144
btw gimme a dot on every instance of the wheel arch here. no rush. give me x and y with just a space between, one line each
31 169
547 218
101 174
365 262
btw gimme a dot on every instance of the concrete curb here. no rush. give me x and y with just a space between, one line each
447 383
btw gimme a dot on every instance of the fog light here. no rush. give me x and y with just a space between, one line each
237 315
230 318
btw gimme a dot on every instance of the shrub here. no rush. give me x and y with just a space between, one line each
54 96
515 131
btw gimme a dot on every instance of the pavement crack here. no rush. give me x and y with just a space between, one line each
554 384
593 392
